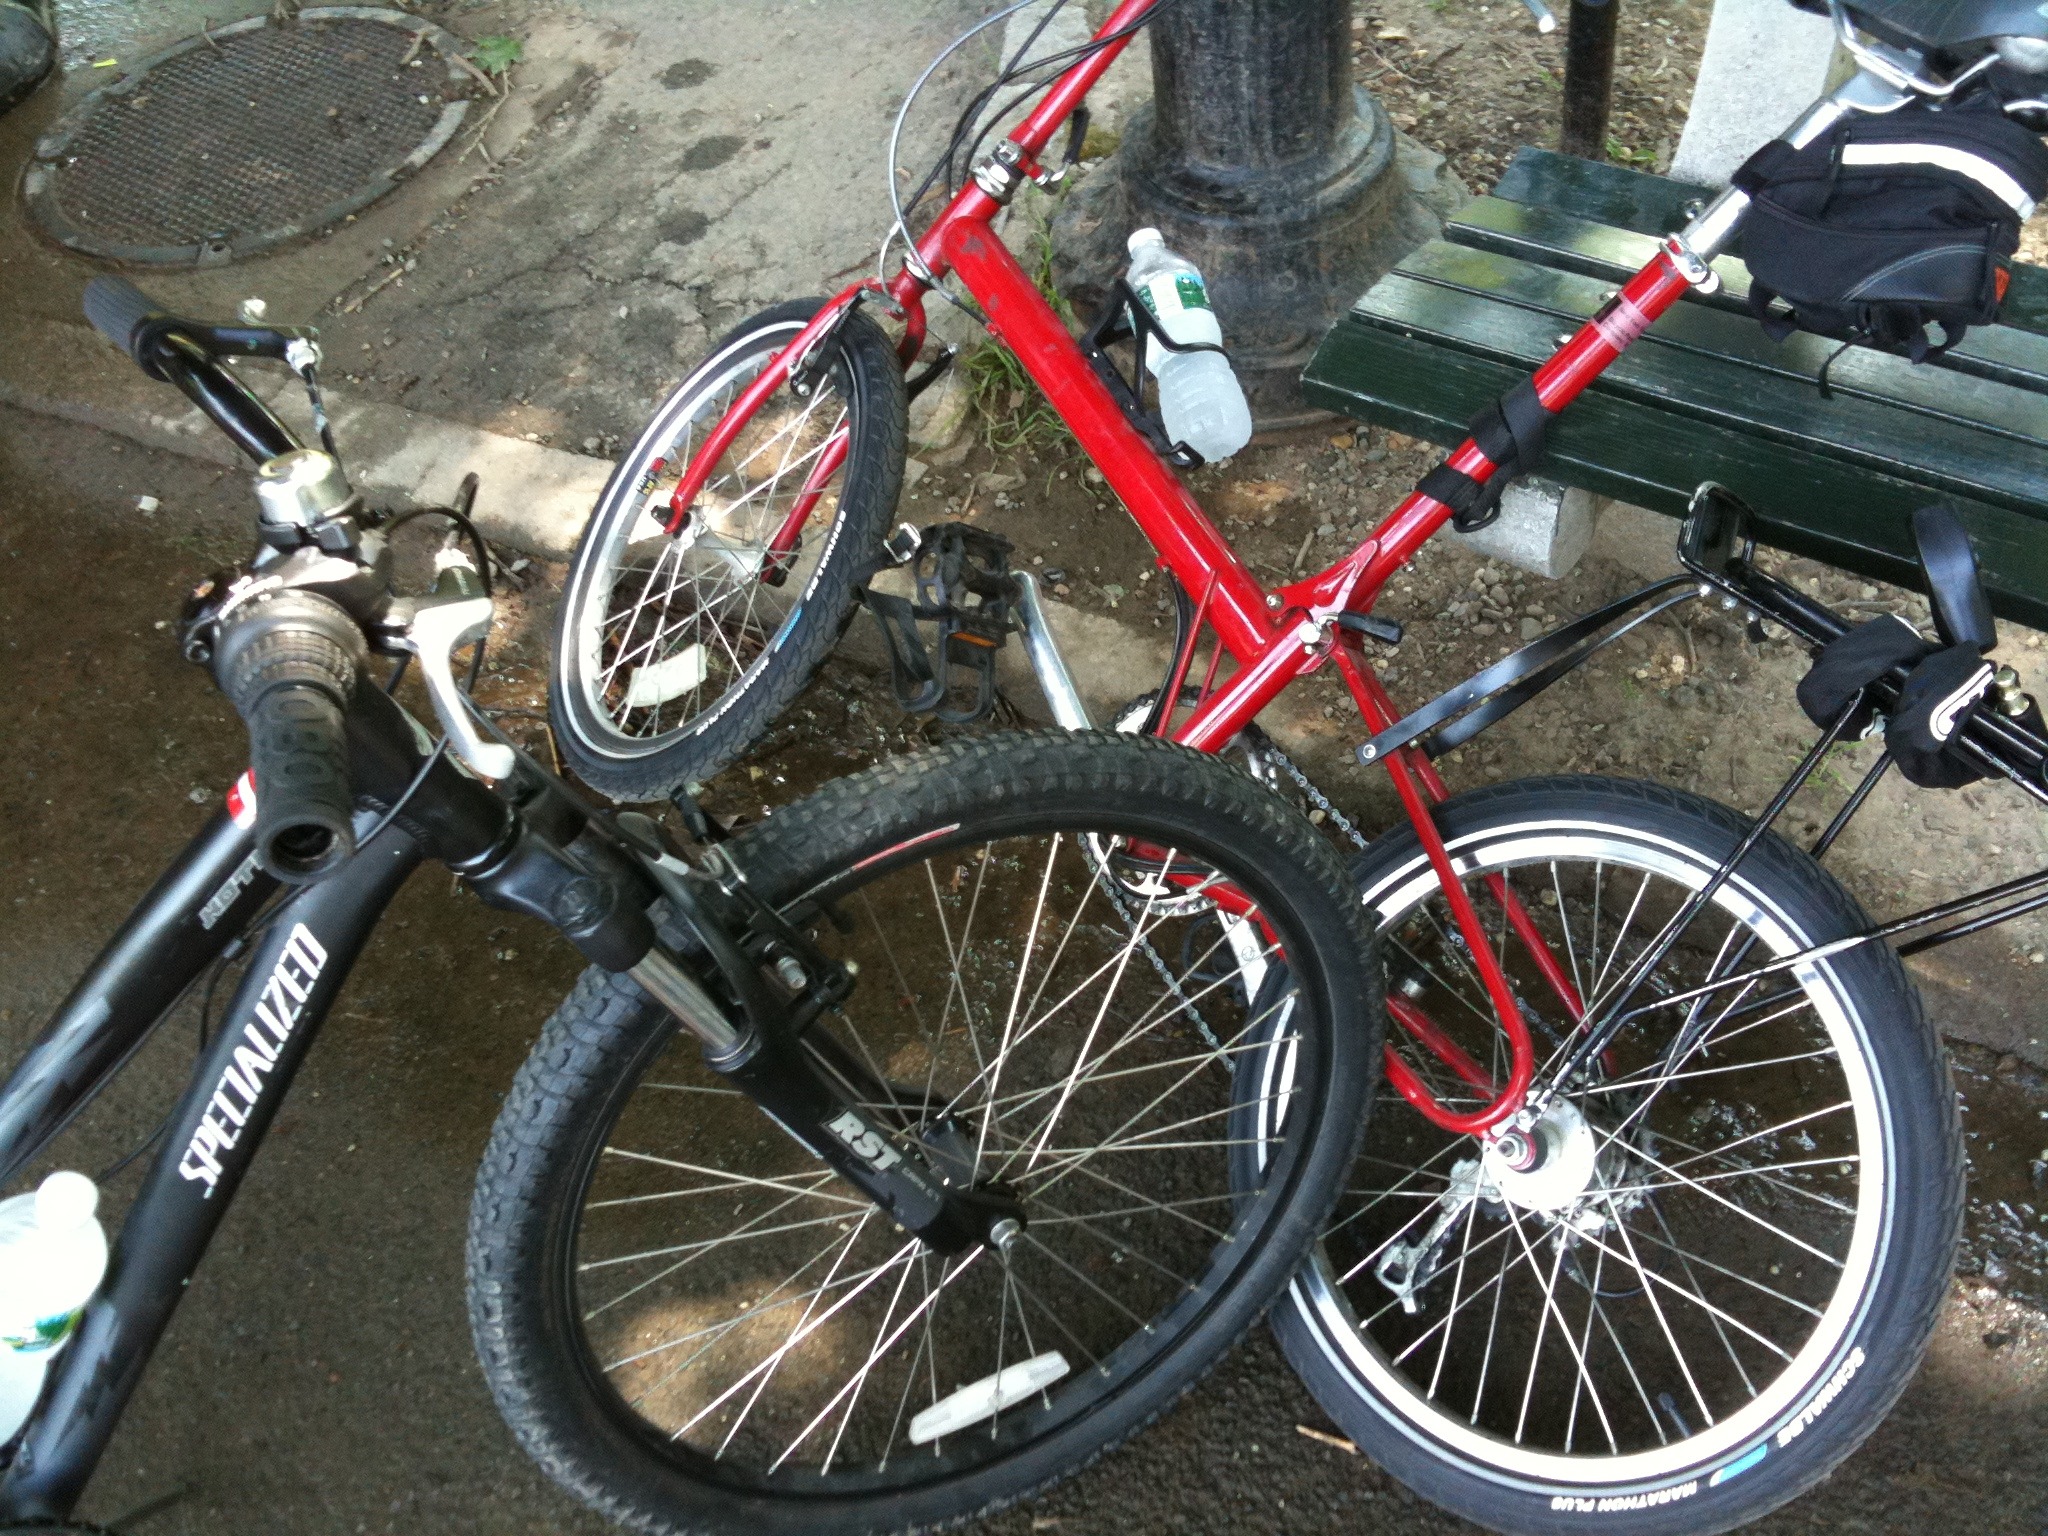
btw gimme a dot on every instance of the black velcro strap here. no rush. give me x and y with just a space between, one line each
1510 432
1852 661
1758 169
1456 490
1776 326
1935 701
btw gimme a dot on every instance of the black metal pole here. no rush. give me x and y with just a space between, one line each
1589 77
1262 163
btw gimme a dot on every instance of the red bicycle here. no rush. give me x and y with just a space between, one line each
1664 1263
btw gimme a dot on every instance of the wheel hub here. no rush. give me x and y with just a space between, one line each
1544 1166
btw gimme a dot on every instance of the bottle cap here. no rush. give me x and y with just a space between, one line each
1142 239
66 1200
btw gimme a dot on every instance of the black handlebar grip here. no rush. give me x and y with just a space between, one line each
117 308
289 666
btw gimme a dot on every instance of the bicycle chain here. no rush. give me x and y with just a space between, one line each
1317 798
1116 895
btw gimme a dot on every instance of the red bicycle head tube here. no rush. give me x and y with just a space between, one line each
974 206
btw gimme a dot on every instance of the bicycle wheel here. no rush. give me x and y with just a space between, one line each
1731 1262
692 1325
672 654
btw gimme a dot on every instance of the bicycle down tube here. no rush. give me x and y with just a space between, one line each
204 905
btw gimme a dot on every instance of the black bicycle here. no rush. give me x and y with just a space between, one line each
891 1161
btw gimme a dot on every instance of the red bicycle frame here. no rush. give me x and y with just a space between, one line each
1274 637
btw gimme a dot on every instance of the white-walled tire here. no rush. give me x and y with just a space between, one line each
1754 1269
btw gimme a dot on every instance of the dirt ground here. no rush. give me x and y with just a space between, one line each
333 1296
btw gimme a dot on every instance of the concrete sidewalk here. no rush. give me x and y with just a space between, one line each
652 176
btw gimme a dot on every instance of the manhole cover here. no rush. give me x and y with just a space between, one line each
248 136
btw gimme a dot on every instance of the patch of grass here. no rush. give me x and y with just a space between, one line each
1012 414
1623 154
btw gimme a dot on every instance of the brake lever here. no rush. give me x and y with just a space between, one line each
457 614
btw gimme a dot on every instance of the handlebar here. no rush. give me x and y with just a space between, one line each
187 353
118 310
288 663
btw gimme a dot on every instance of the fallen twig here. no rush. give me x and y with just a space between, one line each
488 84
476 139
1390 64
1337 1442
1301 554
374 289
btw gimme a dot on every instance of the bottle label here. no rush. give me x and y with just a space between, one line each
47 1334
1175 291
1191 292
1180 303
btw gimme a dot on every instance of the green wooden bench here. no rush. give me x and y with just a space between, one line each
1706 395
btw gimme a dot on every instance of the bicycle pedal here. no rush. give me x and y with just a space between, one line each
964 590
902 545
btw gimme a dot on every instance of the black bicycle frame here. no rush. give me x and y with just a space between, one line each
207 904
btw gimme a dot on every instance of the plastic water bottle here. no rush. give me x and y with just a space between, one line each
52 1255
1199 397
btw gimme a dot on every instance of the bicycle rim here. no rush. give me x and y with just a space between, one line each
775 1332
1723 1240
670 631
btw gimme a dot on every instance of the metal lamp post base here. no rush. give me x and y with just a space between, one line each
1262 163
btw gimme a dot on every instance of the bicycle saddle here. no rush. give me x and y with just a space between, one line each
1962 613
1929 25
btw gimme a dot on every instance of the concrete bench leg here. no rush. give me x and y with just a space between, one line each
1543 527
1764 64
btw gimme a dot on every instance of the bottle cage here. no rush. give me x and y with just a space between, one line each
1125 317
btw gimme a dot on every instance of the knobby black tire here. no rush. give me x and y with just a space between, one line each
604 1035
1838 1403
868 372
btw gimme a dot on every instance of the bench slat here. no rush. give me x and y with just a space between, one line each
1859 521
2017 414
1655 206
1547 237
1946 458
1599 191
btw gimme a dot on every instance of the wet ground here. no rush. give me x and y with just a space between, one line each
319 1375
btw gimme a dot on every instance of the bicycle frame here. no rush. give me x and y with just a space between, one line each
1273 637
201 909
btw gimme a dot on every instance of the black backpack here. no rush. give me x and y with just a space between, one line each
1885 225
